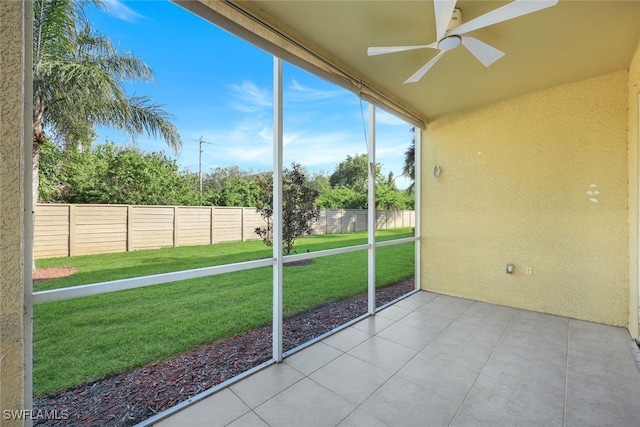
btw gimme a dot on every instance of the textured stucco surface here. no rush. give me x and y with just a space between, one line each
11 206
634 200
515 184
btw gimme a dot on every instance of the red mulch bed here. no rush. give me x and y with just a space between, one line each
48 273
131 397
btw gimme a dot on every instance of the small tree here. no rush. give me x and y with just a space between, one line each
299 208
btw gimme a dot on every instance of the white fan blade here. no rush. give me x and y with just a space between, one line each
504 13
443 10
372 51
485 53
422 71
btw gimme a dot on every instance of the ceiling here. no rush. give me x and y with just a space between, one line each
574 40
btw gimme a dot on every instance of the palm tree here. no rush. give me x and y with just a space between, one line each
78 78
409 169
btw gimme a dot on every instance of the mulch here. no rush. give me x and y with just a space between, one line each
128 398
49 273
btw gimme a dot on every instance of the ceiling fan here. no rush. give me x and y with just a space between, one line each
450 33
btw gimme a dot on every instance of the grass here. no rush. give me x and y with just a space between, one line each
84 339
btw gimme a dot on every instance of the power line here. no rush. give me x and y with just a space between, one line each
200 142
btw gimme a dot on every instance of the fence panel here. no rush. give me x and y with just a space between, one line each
252 220
51 231
194 226
153 227
66 230
320 226
228 224
360 220
334 221
99 229
347 221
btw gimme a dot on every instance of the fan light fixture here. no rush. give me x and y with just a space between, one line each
449 43
450 32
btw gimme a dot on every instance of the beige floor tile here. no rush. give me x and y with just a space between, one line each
400 403
393 313
441 376
350 378
373 324
472 354
266 383
359 418
312 358
347 339
446 306
514 398
249 419
306 403
383 353
416 300
217 410
409 336
449 362
427 321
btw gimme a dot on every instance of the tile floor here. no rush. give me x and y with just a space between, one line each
434 360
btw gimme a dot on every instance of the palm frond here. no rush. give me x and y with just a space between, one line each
138 116
79 76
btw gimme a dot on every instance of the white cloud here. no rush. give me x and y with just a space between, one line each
246 143
321 150
121 11
299 93
249 98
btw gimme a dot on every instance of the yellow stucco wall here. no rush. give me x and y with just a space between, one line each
539 180
634 101
12 66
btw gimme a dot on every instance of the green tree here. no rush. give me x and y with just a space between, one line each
238 191
78 77
111 174
342 197
52 173
353 172
389 198
218 177
299 207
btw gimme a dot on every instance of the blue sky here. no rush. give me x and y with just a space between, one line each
220 87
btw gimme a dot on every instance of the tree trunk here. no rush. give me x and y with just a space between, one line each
38 138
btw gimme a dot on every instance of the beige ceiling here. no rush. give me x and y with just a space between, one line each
574 40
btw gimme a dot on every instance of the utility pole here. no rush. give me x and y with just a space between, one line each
201 141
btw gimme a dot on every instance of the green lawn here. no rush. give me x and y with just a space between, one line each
84 339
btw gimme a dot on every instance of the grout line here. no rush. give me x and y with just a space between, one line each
417 352
393 374
482 370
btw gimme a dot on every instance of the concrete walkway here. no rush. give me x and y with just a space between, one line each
434 360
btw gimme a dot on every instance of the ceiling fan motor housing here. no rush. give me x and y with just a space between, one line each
456 19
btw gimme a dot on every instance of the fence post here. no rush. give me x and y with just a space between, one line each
326 222
211 226
129 228
242 224
175 226
72 230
